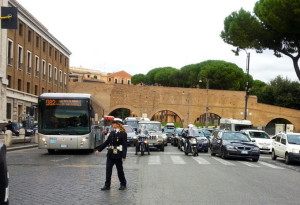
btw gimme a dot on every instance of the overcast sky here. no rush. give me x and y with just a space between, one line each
139 35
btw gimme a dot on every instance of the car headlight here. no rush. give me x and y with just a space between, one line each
255 149
230 147
135 137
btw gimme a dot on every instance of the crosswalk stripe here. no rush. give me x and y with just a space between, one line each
223 161
154 160
270 165
177 160
200 160
249 164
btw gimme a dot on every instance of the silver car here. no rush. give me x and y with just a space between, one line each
155 139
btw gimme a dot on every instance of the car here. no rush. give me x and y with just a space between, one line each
130 135
155 139
169 132
132 121
28 131
206 133
261 139
202 142
4 188
234 144
175 138
287 146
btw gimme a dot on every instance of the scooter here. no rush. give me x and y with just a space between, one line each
190 146
142 144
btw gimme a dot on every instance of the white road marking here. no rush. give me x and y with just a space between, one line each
177 160
270 165
154 160
201 160
249 164
223 161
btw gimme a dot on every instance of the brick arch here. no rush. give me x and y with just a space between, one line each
268 120
121 106
164 108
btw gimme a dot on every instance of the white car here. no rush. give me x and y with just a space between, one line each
287 146
261 139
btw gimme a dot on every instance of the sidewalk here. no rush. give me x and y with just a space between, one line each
22 145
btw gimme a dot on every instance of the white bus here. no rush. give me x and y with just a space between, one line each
234 124
67 121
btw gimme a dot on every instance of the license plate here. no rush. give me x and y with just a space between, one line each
52 141
244 152
63 145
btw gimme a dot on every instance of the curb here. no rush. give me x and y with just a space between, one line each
21 147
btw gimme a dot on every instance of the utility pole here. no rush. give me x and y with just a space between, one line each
247 86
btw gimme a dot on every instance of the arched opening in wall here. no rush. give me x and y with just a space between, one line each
212 120
279 125
165 116
122 113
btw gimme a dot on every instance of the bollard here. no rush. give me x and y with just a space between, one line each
22 134
36 137
8 138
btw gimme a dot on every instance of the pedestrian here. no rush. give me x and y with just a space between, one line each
116 144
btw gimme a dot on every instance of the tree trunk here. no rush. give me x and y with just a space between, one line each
296 66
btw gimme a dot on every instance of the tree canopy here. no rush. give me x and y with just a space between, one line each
275 25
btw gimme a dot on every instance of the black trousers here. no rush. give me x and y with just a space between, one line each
109 166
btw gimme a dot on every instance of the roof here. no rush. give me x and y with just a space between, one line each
120 73
65 95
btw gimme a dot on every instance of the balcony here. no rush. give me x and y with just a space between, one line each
20 66
28 70
37 73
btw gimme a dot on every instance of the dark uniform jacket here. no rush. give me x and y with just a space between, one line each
115 139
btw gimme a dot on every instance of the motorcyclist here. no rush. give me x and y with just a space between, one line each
144 132
188 137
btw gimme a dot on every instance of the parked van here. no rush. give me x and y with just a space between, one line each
235 124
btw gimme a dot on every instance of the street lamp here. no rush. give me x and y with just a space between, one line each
206 107
247 83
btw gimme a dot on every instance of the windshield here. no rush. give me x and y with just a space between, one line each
64 118
133 124
128 129
194 133
293 139
178 130
206 133
150 126
261 135
235 136
169 129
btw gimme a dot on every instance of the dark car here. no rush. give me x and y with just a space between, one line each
202 142
28 131
3 175
233 144
175 138
169 132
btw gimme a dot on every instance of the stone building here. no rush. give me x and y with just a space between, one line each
121 77
35 62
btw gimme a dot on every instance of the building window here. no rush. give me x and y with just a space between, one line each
8 110
37 41
43 69
128 82
44 46
43 90
50 51
55 55
28 87
60 78
36 66
65 78
20 57
109 79
49 73
36 90
122 81
55 75
9 81
66 62
20 29
10 52
95 77
60 58
19 84
28 62
116 81
29 35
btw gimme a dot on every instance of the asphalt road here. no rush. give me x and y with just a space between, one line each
162 178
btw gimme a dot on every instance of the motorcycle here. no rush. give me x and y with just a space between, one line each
190 146
142 144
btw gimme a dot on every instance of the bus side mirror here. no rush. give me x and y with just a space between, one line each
92 113
31 111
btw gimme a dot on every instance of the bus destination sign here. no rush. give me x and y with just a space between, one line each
63 102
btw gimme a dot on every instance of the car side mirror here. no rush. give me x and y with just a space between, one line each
253 140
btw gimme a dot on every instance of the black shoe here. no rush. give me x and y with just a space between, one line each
136 153
122 187
105 188
148 153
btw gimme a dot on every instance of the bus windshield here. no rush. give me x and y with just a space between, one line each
64 118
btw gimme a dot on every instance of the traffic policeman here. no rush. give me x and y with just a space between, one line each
116 144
